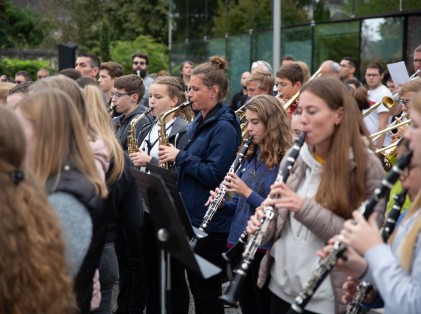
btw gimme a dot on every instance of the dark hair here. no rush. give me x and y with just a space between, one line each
94 60
292 72
360 95
114 69
83 81
132 84
20 88
214 72
288 57
353 81
142 56
71 73
375 65
352 62
25 74
186 62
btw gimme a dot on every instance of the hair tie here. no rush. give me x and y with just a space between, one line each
17 176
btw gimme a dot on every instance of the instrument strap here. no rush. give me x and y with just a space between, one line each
151 145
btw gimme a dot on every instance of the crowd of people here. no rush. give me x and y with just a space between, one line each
76 225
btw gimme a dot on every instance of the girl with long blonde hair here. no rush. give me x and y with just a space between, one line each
59 154
395 267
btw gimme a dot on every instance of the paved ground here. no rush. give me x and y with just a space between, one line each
191 311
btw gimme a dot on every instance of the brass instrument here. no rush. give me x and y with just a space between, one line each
294 98
132 144
163 138
392 126
111 108
387 101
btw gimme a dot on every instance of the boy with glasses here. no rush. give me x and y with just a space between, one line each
126 96
380 118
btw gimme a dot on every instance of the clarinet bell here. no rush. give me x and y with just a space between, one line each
232 294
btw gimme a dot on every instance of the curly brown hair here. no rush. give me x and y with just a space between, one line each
33 271
278 134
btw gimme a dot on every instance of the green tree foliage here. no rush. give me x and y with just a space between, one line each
19 28
104 42
127 19
157 52
10 66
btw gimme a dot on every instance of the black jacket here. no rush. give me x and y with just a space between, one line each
73 182
123 125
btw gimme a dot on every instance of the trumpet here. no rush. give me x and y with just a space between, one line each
387 101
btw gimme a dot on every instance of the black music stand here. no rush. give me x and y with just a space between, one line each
170 231
171 183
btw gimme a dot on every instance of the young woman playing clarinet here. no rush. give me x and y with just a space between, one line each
268 125
336 170
201 165
394 267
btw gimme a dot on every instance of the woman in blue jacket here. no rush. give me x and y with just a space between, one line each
201 165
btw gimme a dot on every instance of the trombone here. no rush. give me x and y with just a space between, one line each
391 126
387 101
294 98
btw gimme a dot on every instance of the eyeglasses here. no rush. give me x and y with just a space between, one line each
119 95
404 102
18 82
139 62
417 60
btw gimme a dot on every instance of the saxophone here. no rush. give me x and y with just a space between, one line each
132 144
162 133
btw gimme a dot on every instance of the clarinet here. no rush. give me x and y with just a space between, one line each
232 294
338 250
213 207
363 288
